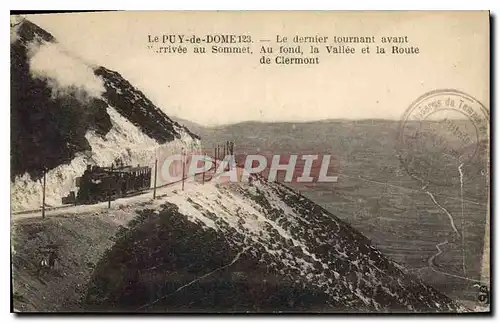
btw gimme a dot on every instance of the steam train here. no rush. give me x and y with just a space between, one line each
98 184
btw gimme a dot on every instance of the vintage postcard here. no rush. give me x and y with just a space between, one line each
254 162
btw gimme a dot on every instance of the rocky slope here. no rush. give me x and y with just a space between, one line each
215 247
66 114
257 247
211 247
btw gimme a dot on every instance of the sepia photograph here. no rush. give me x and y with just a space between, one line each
332 162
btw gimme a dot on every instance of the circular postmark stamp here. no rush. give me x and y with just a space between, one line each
440 133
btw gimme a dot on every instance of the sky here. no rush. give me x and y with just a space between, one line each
220 89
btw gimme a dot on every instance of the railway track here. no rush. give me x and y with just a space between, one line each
149 190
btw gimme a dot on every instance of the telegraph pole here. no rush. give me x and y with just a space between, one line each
230 153
203 174
154 180
109 189
109 195
225 155
183 167
43 194
215 157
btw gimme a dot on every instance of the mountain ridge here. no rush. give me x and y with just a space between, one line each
255 246
66 114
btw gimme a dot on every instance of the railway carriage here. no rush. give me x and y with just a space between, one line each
98 184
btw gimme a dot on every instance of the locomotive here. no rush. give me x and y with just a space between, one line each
98 184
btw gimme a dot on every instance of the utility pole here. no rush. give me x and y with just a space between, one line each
183 167
109 189
154 180
225 154
43 194
203 174
230 153
215 157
